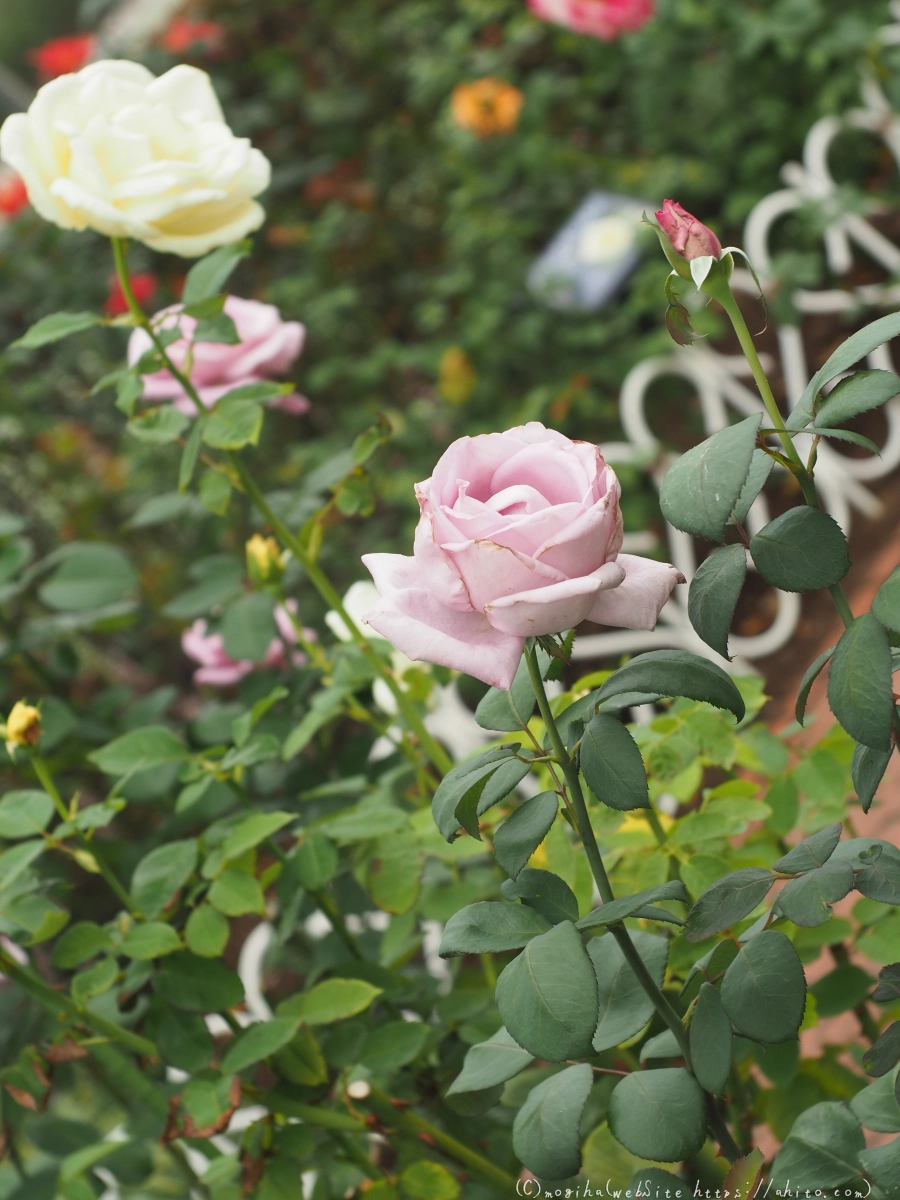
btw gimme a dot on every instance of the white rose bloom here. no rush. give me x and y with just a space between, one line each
116 149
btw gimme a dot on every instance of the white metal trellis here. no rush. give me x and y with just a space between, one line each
724 387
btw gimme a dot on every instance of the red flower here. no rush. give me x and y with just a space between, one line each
690 237
144 287
13 194
184 35
63 56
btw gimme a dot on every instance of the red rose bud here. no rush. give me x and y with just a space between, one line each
185 36
13 194
144 287
689 237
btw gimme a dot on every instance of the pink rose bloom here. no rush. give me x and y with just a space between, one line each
604 19
519 535
218 669
690 237
268 348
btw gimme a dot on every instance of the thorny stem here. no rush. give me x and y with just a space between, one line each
619 932
432 748
43 773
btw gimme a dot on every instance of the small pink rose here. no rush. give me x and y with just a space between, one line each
519 535
604 19
688 236
267 349
219 669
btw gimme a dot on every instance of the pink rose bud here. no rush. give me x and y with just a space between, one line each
688 236
603 19
267 349
519 535
219 669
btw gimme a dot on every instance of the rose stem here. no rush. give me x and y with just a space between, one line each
619 932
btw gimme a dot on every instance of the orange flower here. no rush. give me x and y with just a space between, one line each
487 106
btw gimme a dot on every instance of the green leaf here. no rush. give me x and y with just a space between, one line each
252 830
161 873
489 1063
703 486
24 813
728 901
139 750
841 990
159 425
876 1106
469 790
882 1165
91 575
235 893
248 627
807 900
158 509
822 1149
886 605
663 1045
809 678
218 580
855 348
711 1041
184 1041
94 981
627 906
195 984
761 465
325 706
361 823
54 328
394 872
215 492
859 683
220 329
802 550
623 1006
888 989
233 423
543 891
207 932
812 852
884 1054
868 768
15 861
879 875
81 1160
859 393
547 996
80 942
546 1129
153 939
316 860
331 1000
302 1061
522 832
189 457
612 764
714 593
508 710
208 276
393 1045
490 927
676 673
258 1042
660 1115
427 1180
764 989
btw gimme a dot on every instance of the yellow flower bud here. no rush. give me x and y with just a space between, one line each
264 561
23 726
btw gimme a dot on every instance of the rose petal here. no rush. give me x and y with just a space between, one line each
490 571
637 602
588 541
552 609
416 622
438 571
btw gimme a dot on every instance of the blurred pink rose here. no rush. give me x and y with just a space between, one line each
218 669
268 348
519 535
690 237
604 19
